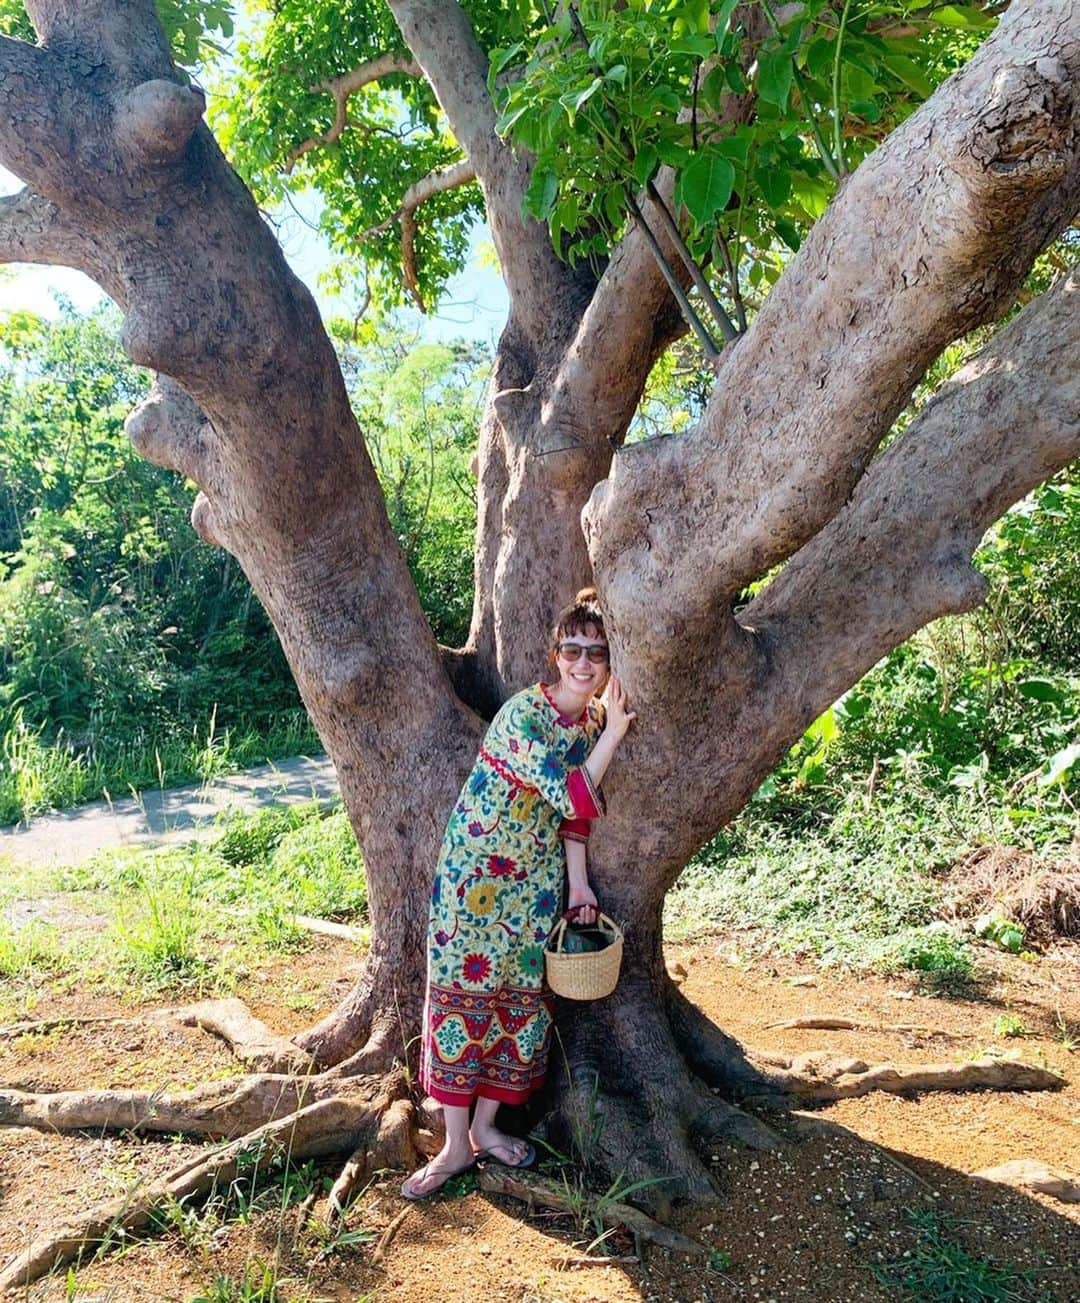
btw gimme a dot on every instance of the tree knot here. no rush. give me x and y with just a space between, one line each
155 120
1027 132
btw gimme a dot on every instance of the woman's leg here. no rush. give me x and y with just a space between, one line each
486 1138
455 1156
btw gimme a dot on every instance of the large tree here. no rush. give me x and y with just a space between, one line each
931 235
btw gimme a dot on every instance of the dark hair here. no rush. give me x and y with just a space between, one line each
584 611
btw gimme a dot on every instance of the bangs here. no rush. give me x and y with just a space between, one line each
580 621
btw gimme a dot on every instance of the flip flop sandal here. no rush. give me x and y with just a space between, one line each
423 1173
527 1160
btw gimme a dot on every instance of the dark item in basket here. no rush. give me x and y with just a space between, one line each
581 939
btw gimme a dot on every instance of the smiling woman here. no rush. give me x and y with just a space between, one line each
496 891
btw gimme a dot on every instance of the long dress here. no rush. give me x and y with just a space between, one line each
495 897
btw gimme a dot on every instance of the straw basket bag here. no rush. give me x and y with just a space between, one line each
589 975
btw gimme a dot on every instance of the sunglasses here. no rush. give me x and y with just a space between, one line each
597 652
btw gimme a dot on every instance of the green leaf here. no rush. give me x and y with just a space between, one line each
1041 690
540 195
819 56
964 17
617 74
573 101
789 233
774 78
867 110
908 71
735 147
705 186
699 46
775 183
858 83
667 99
723 17
733 75
712 88
645 164
1059 766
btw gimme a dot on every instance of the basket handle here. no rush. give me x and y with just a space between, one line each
555 941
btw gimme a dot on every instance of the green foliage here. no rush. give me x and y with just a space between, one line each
1002 931
197 915
258 1284
938 954
1009 1025
964 735
607 92
132 655
941 1270
266 108
419 406
602 94
121 633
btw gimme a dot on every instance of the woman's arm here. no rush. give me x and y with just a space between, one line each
619 719
580 893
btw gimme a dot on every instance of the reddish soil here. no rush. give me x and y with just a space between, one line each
806 1223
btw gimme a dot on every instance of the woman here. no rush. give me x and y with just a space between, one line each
497 890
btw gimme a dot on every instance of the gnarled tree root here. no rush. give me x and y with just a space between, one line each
534 1189
349 1119
253 1043
824 1076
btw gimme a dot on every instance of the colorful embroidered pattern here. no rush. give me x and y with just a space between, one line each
494 898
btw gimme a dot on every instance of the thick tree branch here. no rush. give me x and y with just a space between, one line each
32 85
931 236
439 34
123 35
34 230
899 555
344 86
435 183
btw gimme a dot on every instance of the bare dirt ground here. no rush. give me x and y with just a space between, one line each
806 1223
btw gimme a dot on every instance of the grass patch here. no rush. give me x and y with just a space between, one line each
36 775
197 916
941 1270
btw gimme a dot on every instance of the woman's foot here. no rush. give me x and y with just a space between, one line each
488 1143
431 1178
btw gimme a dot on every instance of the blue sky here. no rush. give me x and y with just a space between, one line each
474 306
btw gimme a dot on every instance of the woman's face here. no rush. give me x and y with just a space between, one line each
583 673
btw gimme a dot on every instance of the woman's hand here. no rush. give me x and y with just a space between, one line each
619 714
582 895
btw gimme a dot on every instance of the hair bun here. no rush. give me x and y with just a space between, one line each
587 597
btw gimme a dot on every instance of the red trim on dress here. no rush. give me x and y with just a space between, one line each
584 794
575 830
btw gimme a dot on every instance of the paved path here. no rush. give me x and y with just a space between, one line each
180 814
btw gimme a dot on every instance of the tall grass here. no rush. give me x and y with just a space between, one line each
36 776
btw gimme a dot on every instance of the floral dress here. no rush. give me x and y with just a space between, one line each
495 897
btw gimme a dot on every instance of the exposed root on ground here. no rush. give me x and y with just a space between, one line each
220 1109
822 1023
534 1189
253 1043
773 1081
45 1026
362 1118
645 1119
392 1146
315 1131
823 1076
